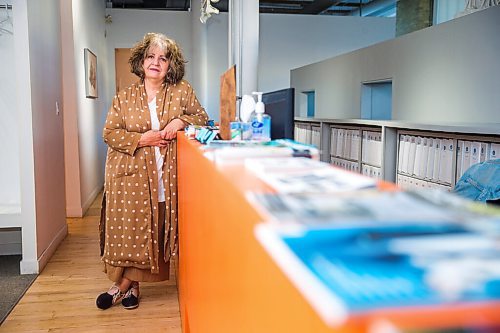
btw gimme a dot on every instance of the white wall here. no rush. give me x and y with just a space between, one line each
217 61
129 26
286 42
446 73
292 41
197 65
84 119
10 188
70 108
38 89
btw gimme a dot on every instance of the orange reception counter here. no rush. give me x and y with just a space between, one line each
228 283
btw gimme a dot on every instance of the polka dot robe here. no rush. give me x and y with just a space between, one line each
131 183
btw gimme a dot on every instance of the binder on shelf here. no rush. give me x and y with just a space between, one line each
340 142
355 145
333 142
366 170
316 136
483 155
423 160
466 156
372 144
460 147
437 157
365 150
400 151
406 151
377 159
399 181
445 162
411 154
308 138
430 158
475 151
418 157
347 144
356 167
494 151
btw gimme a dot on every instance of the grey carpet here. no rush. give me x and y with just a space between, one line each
13 285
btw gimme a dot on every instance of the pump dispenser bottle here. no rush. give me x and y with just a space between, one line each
261 122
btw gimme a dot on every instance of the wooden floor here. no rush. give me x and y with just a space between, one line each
62 298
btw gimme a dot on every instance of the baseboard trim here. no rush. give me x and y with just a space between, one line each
90 199
29 266
49 251
74 212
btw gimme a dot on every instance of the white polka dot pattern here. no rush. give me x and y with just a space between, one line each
131 179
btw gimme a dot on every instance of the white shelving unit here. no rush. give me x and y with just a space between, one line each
395 151
308 133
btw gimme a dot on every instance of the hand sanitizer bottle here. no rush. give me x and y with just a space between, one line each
261 122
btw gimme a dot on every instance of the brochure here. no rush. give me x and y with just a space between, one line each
283 164
370 206
321 180
236 152
350 268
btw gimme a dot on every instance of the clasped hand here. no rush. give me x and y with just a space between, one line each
163 137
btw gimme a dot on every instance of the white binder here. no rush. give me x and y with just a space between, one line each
369 147
484 153
460 147
411 154
437 158
475 151
430 158
406 151
446 159
355 145
466 156
418 156
423 160
347 143
333 142
364 146
494 151
340 142
377 158
400 151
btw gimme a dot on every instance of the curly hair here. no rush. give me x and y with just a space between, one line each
173 52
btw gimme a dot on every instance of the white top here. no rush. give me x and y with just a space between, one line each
155 125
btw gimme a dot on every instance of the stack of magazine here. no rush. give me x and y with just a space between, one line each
358 250
303 175
236 152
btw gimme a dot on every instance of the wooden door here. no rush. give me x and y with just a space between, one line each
124 77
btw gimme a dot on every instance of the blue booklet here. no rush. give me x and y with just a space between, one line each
351 268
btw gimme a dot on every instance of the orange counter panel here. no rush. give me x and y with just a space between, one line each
229 284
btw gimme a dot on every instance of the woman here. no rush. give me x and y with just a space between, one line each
139 216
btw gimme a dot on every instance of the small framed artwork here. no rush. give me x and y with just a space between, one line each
90 74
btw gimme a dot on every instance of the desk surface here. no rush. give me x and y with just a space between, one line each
227 281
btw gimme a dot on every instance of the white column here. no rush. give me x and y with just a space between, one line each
243 43
29 263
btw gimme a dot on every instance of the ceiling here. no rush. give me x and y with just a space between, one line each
311 7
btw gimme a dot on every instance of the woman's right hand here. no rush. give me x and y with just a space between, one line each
152 138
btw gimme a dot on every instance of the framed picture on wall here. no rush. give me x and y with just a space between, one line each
90 74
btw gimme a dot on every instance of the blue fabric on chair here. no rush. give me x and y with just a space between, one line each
481 182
